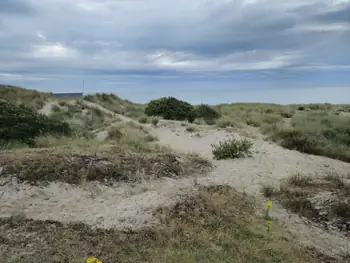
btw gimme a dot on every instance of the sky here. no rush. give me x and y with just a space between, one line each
202 51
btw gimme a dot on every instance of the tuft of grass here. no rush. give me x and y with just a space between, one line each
215 225
143 120
231 148
224 122
191 129
322 199
155 121
268 190
300 180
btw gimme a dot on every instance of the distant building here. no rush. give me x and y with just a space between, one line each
68 95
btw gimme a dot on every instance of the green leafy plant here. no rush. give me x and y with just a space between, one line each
171 109
230 149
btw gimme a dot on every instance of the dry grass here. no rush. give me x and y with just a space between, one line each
322 199
17 95
216 225
117 105
81 117
104 163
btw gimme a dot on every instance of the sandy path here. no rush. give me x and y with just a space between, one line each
115 207
47 109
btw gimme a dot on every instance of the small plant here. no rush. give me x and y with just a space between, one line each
267 213
155 121
191 129
244 187
230 149
268 190
55 108
143 120
269 225
286 114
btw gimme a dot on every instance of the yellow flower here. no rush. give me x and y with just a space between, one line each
269 204
244 186
269 224
91 260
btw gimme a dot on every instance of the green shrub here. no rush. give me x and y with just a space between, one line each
143 120
154 121
223 123
286 114
230 149
171 109
21 123
206 112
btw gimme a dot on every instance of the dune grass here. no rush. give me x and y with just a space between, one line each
323 199
215 225
17 95
117 105
320 129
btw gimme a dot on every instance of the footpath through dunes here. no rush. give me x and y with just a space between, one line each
269 165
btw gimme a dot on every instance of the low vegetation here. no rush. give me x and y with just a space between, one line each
216 225
320 129
173 109
319 133
117 105
76 165
31 98
231 149
22 124
322 199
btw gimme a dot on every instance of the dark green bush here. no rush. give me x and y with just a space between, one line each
230 149
171 109
206 112
21 123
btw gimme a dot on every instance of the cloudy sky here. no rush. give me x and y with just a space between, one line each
283 51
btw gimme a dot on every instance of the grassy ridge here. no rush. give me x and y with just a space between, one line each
16 95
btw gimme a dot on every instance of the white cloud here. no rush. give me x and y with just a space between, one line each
41 35
56 50
8 76
334 27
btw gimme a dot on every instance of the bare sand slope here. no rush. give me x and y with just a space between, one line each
123 206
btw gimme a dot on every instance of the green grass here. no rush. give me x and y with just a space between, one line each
231 149
320 129
215 225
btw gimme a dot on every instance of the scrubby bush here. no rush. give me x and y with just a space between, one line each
171 109
224 122
21 123
154 121
230 149
206 112
143 120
